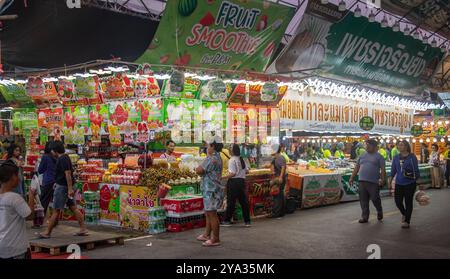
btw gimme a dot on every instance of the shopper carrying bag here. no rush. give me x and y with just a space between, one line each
405 169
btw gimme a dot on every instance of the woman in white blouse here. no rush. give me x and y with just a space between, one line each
237 171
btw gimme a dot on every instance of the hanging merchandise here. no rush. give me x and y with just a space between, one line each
269 92
98 121
35 88
15 95
125 116
142 134
66 92
52 120
263 119
183 120
252 122
24 119
86 87
114 135
176 82
214 90
146 87
258 94
76 124
213 120
118 86
144 69
151 111
191 89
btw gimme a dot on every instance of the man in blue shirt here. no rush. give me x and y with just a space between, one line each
372 176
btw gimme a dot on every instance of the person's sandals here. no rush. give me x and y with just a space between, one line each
44 236
202 237
210 243
82 233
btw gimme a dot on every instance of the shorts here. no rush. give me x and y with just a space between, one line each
61 198
213 201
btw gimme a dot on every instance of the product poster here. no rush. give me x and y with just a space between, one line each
263 119
110 204
86 87
183 119
191 89
252 124
15 95
213 120
151 111
76 124
125 116
118 86
275 122
146 87
52 120
98 121
134 205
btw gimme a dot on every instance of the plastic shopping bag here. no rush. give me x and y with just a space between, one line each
422 198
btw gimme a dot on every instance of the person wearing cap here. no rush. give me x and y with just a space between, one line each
213 194
278 167
372 175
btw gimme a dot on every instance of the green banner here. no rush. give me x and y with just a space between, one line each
233 34
338 44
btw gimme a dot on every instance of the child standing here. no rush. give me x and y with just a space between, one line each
13 212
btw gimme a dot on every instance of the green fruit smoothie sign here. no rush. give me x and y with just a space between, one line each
233 35
338 44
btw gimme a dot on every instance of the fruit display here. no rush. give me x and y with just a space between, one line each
153 177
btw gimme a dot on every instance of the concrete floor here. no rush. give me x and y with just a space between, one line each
327 232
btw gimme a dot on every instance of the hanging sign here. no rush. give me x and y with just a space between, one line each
233 34
310 112
338 44
416 130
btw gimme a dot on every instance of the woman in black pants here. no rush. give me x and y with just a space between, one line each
406 167
236 187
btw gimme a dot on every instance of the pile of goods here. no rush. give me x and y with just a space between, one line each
91 207
153 177
156 220
91 172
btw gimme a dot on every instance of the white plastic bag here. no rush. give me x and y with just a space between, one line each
422 198
36 184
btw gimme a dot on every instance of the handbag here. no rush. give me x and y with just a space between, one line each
409 174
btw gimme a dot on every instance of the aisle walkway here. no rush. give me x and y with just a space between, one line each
328 232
